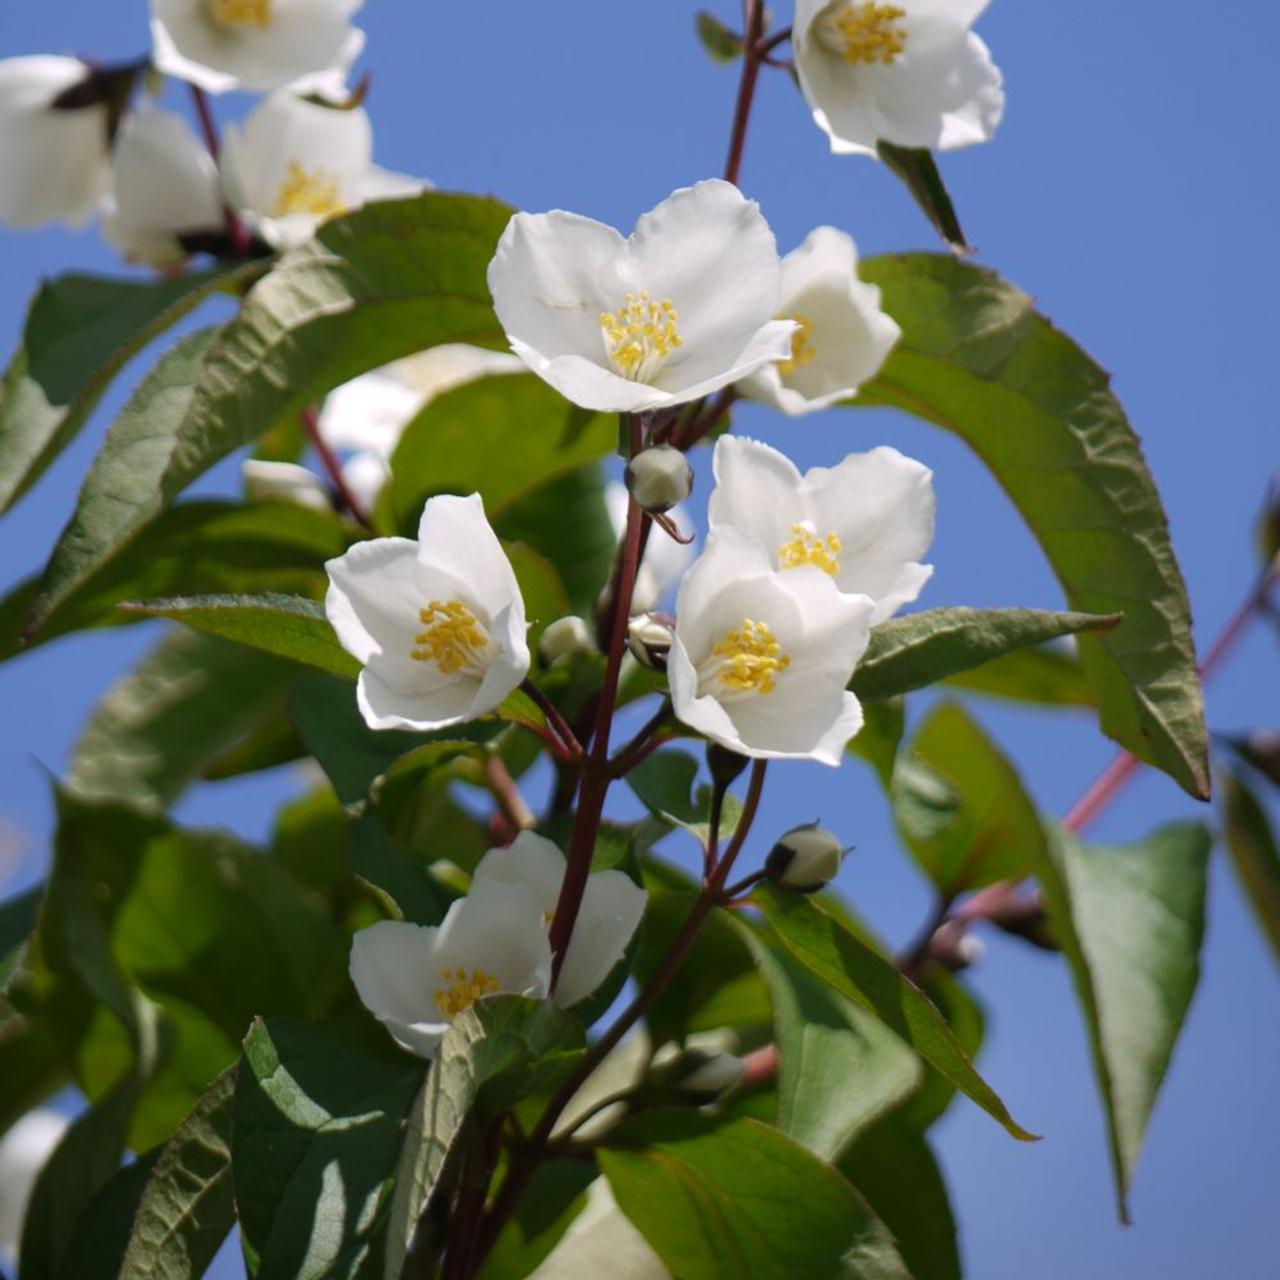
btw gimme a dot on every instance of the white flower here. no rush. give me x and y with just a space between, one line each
163 182
53 160
295 163
368 415
842 337
601 1241
910 73
681 308
864 522
415 979
266 481
255 44
664 561
611 909
761 658
23 1152
438 623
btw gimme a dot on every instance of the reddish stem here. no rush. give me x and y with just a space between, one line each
746 89
572 748
236 231
333 468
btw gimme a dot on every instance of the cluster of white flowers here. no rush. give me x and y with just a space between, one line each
69 149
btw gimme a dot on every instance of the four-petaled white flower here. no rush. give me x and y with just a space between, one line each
53 160
256 44
909 73
864 522
416 979
163 183
842 336
681 308
761 657
295 163
368 415
438 623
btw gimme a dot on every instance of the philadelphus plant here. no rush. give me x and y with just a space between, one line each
256 44
842 336
681 308
438 624
53 152
910 73
295 163
416 979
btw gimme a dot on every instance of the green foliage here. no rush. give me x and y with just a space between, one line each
721 44
1044 675
80 332
315 1137
922 648
856 971
977 360
1252 846
288 626
1130 920
918 170
497 1052
718 1198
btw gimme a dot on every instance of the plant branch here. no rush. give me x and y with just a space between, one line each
746 89
333 468
559 725
502 786
236 231
645 741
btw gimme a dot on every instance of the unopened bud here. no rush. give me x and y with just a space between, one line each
954 947
283 482
565 638
805 858
649 639
660 477
708 1074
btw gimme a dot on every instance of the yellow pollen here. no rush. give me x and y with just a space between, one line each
453 636
868 33
242 13
752 658
640 336
802 351
463 991
807 548
313 192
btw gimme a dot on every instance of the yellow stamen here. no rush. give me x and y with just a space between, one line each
802 351
313 192
463 991
807 548
868 34
454 637
752 658
640 336
242 13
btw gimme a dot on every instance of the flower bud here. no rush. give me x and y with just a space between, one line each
708 1073
565 638
283 482
649 639
806 858
658 478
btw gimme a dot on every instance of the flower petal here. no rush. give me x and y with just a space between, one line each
612 907
390 966
530 859
374 596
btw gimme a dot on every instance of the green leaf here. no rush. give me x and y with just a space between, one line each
17 919
839 1067
883 723
187 1207
1043 675
1130 920
101 1233
189 699
919 173
920 649
552 1200
664 785
720 43
852 968
317 1129
496 1052
501 437
379 862
895 1169
121 492
961 807
977 360
1252 846
206 546
968 1023
273 742
288 626
80 332
722 1198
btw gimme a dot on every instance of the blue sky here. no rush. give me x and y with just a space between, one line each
1129 190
